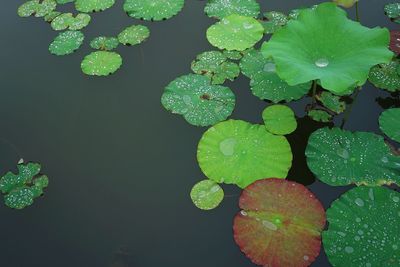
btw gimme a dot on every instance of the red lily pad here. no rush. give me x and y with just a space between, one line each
280 223
395 41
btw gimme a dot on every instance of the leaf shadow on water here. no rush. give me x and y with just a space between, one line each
391 101
298 141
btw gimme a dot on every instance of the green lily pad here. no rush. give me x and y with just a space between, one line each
80 22
37 8
393 11
331 102
235 32
386 76
66 43
45 7
340 59
62 2
215 65
104 43
275 21
234 55
364 228
68 21
279 119
265 83
237 152
197 100
101 63
338 157
134 35
51 16
223 8
88 6
280 223
345 3
21 189
319 115
207 195
389 122
153 9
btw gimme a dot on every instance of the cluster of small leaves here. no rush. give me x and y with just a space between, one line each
393 11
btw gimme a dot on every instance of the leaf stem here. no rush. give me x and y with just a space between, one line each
314 93
350 108
357 12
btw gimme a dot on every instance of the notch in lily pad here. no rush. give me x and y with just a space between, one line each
207 195
88 6
271 230
21 189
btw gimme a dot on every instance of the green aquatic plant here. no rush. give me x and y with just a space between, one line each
339 56
386 76
197 100
37 8
68 21
319 115
66 43
273 21
331 102
153 9
104 43
363 228
88 6
22 188
280 223
134 35
223 8
238 152
101 63
279 119
346 3
393 11
207 195
389 122
339 157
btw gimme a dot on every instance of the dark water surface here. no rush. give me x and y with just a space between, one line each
121 167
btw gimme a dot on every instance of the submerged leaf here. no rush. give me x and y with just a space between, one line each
207 195
338 157
237 152
134 35
331 102
153 9
197 100
66 43
386 76
280 223
364 228
279 119
222 8
88 6
389 122
101 63
340 56
319 115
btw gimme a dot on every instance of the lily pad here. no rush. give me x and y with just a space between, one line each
331 102
235 32
234 55
280 223
341 55
101 63
275 21
51 16
393 11
68 21
88 6
364 228
319 115
37 8
386 76
104 43
153 9
21 189
389 122
207 195
197 100
215 65
134 35
279 119
28 8
222 8
237 152
66 43
338 157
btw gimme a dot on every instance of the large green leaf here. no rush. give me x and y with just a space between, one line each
93 5
197 100
386 76
207 195
339 157
280 223
389 122
66 43
237 152
153 9
235 32
323 44
222 8
364 228
279 119
101 63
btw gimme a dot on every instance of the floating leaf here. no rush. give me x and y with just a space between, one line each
51 16
386 76
101 63
340 58
237 152
389 122
234 55
199 102
134 35
280 223
153 9
216 66
364 228
37 8
21 189
345 3
339 157
207 195
331 102
45 7
68 21
104 43
66 43
28 8
319 115
265 83
275 21
235 32
393 11
279 119
88 6
223 8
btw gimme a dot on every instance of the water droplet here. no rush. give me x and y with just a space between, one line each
394 247
343 153
270 225
215 189
396 199
227 147
341 234
360 232
359 202
385 160
243 213
368 264
270 67
306 258
247 25
357 238
371 194
349 249
322 63
358 220
187 100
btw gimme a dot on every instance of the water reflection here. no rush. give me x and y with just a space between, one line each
391 101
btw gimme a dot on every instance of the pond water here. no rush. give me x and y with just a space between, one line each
120 166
